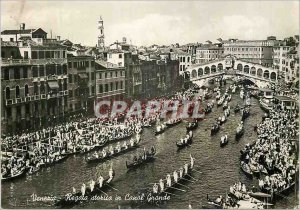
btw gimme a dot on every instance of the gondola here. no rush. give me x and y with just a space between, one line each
223 120
181 145
150 157
246 114
239 132
246 169
161 130
169 189
115 154
192 126
170 123
237 109
20 173
218 205
215 128
207 110
223 141
70 200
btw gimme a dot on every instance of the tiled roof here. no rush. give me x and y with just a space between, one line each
25 31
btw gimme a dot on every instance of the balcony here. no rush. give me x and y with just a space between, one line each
14 62
19 100
52 77
27 99
36 97
9 102
52 95
66 92
43 96
61 93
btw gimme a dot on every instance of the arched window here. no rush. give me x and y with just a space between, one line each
220 67
240 67
17 91
200 72
266 74
7 93
213 69
259 72
26 90
253 70
194 73
273 76
206 70
246 69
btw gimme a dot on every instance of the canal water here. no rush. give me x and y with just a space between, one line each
217 168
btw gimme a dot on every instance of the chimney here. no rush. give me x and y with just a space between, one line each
22 26
58 38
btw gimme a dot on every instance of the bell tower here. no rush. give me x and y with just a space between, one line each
101 33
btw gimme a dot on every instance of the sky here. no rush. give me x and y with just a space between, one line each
154 22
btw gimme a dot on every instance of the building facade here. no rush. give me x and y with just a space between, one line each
34 85
81 86
110 81
209 52
185 60
255 51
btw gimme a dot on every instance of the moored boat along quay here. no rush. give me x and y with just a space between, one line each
247 156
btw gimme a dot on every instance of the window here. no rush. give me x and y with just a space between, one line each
26 54
34 55
17 91
2 54
106 87
11 39
59 72
26 90
35 71
92 63
70 94
65 69
110 55
75 64
70 78
41 54
117 85
35 88
42 71
87 64
25 73
69 65
42 88
111 74
100 88
47 54
93 76
111 86
105 75
8 112
6 74
120 55
7 93
27 109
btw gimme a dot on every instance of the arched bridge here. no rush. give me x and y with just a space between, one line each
232 67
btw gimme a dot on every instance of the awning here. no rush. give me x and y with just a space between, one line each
83 76
53 84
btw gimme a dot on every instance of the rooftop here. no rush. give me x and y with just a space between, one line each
284 98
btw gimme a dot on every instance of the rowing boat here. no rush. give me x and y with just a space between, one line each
188 142
150 157
115 154
18 174
70 200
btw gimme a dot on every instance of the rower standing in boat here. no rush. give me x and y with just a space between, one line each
83 187
100 181
192 161
162 185
175 175
111 150
125 145
92 185
111 174
181 172
186 168
74 190
103 153
155 188
169 181
118 147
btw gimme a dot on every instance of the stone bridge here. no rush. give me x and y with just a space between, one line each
231 67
